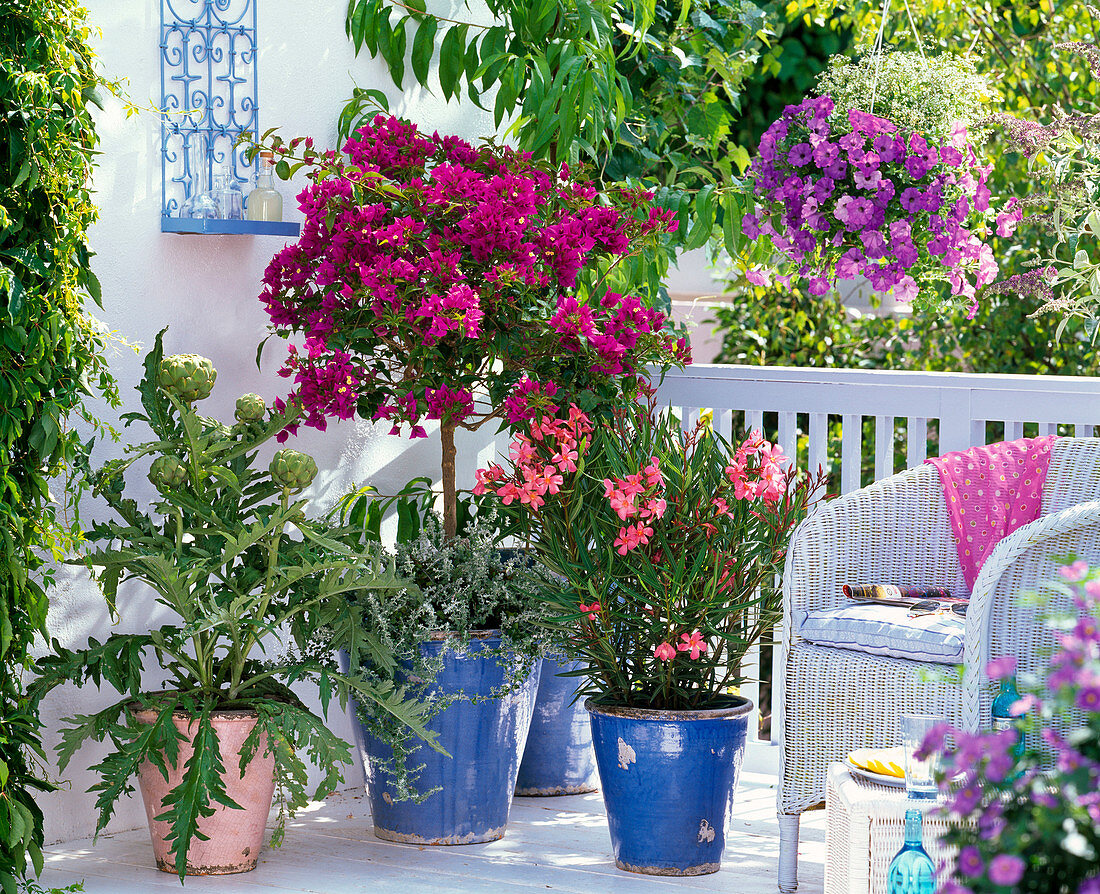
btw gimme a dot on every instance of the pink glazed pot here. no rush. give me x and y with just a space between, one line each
234 836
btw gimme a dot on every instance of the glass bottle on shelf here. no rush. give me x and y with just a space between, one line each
227 190
912 870
265 202
1003 718
201 203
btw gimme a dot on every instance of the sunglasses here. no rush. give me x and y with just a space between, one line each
932 607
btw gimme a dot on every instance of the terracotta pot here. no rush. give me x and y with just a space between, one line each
234 836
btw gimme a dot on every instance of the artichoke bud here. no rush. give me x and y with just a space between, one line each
167 473
189 377
292 470
250 408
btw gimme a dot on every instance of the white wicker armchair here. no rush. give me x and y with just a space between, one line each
897 531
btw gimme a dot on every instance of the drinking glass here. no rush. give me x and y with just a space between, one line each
920 780
200 202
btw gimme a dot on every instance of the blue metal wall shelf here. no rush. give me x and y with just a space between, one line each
208 89
213 226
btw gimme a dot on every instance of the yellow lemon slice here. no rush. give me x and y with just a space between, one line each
884 761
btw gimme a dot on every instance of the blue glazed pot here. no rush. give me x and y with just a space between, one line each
558 759
485 739
668 780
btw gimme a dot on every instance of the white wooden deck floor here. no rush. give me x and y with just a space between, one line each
553 844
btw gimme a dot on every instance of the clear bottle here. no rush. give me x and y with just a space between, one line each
264 202
912 870
1003 718
227 190
201 203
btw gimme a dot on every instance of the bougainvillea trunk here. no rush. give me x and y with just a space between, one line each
450 495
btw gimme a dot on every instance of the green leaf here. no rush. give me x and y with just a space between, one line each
423 49
452 58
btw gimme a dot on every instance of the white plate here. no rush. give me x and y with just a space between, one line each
880 778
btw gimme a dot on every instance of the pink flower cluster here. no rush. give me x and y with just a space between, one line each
757 472
692 643
530 399
862 198
540 458
420 255
639 497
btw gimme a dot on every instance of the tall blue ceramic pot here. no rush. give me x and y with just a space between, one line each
484 737
668 781
558 759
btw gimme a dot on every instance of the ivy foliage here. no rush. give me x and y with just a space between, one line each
49 358
643 91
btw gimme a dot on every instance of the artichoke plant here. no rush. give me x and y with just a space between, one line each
189 377
259 593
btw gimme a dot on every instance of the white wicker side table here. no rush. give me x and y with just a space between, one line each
864 829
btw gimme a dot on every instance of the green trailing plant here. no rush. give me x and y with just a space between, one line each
930 95
258 592
464 586
50 360
645 92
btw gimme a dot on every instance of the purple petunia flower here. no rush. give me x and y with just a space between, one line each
825 154
1006 869
801 155
970 862
912 199
873 244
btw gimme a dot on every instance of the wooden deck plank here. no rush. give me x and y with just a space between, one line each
556 844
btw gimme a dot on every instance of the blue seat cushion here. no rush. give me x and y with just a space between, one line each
887 630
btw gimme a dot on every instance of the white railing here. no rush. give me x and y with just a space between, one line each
930 413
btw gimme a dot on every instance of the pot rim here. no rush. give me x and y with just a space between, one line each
741 707
224 714
438 636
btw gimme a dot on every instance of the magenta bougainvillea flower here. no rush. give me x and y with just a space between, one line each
844 199
436 280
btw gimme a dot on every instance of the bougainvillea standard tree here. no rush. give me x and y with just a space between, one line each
435 280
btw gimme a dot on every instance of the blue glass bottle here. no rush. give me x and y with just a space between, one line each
912 870
1003 718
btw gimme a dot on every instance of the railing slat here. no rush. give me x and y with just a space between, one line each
916 441
723 423
884 446
1048 428
1082 430
788 434
754 420
851 452
1014 430
818 457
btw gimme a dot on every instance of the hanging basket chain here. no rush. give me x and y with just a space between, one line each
876 48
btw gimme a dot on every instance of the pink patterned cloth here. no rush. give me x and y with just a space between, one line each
990 492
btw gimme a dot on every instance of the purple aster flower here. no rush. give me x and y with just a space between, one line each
800 155
1001 668
970 862
1006 869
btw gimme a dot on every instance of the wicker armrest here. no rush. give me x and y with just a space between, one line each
1023 562
895 531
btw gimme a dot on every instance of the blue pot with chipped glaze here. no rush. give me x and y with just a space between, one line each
558 758
484 737
668 780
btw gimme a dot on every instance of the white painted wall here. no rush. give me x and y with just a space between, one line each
205 288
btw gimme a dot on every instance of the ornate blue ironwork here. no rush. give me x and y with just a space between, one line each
208 90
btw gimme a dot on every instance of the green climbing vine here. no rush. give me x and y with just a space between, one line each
50 360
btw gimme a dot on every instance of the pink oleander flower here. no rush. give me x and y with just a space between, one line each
694 644
664 652
631 537
593 610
